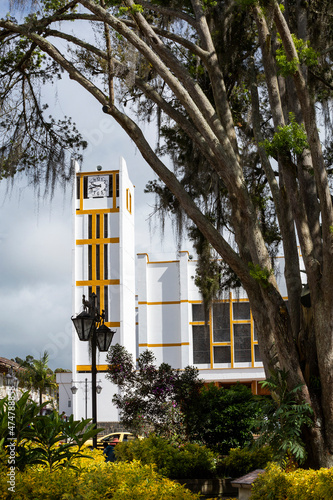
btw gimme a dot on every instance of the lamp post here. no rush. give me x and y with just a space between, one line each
74 390
89 325
11 381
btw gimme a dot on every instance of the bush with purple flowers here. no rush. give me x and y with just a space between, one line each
152 398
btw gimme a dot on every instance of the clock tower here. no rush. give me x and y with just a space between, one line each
104 264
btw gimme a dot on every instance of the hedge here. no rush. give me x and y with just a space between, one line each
276 484
93 479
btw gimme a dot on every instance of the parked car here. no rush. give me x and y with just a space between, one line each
107 438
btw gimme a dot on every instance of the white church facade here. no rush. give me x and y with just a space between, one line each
151 305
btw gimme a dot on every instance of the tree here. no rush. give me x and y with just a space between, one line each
224 418
235 84
153 399
37 374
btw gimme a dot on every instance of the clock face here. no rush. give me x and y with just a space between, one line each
98 186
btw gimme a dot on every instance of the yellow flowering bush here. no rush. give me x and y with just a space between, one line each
299 484
94 479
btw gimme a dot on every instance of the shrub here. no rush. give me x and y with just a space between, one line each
241 461
175 462
94 479
224 418
299 484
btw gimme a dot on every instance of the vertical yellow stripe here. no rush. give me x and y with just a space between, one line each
211 337
252 343
81 192
231 331
93 258
114 189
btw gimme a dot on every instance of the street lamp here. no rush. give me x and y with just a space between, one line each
11 380
89 325
74 390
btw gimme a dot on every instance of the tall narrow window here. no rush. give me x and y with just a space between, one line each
106 266
111 186
106 302
117 185
97 262
221 322
106 232
98 226
201 345
77 188
242 342
89 226
85 187
89 262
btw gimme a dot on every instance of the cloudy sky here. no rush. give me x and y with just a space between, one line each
35 235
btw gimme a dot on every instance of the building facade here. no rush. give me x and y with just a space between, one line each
104 264
171 321
166 315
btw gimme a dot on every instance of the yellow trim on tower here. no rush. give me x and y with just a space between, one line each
97 282
176 344
96 172
97 241
87 368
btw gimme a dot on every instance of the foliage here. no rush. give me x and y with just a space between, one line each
37 375
306 55
224 418
173 461
293 485
119 481
241 461
291 138
152 398
284 419
40 439
206 74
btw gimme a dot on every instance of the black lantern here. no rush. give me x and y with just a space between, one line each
104 337
84 325
89 325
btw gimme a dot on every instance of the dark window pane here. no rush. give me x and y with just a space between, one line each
110 186
221 322
257 356
97 262
117 185
242 343
106 302
255 336
201 344
198 312
89 227
106 268
222 354
241 310
78 188
89 262
85 187
105 225
98 221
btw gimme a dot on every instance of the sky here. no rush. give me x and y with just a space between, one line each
35 234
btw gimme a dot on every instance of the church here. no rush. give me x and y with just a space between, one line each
149 304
